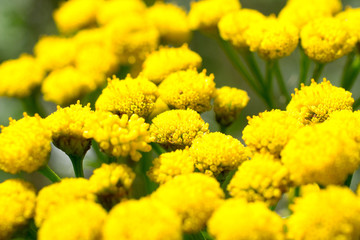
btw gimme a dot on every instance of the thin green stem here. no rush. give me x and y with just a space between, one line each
319 67
348 180
269 81
226 182
281 81
297 191
223 128
157 148
49 173
352 74
77 162
345 73
304 67
100 155
33 230
253 66
356 104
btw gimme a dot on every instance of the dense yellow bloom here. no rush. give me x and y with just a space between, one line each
193 196
188 89
90 36
351 17
159 107
57 195
159 64
333 213
237 219
128 96
176 129
349 120
314 103
24 145
142 219
17 201
171 164
77 220
15 80
215 153
206 14
260 179
327 39
228 103
119 136
270 131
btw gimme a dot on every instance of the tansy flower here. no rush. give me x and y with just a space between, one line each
119 136
333 213
90 36
159 107
350 18
159 64
171 164
73 221
349 120
15 80
17 201
128 96
53 197
215 153
314 103
24 145
188 89
260 179
142 219
228 103
193 196
327 39
270 131
237 219
176 129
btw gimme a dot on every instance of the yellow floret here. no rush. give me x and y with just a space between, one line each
188 89
193 196
90 36
119 136
237 219
142 219
24 145
128 96
314 103
327 39
15 80
159 64
350 18
17 201
160 107
351 120
78 220
176 129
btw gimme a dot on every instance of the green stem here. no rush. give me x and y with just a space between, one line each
272 208
297 191
157 148
226 182
253 66
348 63
223 128
77 162
33 229
268 81
356 104
206 235
304 67
281 81
101 156
319 67
352 74
348 180
49 173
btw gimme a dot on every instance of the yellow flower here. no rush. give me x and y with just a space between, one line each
15 80
188 89
333 213
159 107
24 145
142 219
327 39
159 64
349 120
270 131
119 136
171 164
261 179
193 196
228 103
128 96
351 17
77 220
90 36
237 219
314 103
17 201
176 129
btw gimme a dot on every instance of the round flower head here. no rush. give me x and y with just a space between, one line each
90 36
171 164
53 197
314 103
160 107
15 80
188 89
327 39
216 153
171 22
332 213
193 196
350 18
206 14
176 129
228 103
77 220
142 219
111 183
260 179
24 145
159 64
128 96
233 26
349 120
270 131
17 201
119 136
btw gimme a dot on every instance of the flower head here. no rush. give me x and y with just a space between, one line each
350 18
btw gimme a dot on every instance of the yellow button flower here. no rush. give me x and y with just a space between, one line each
351 17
